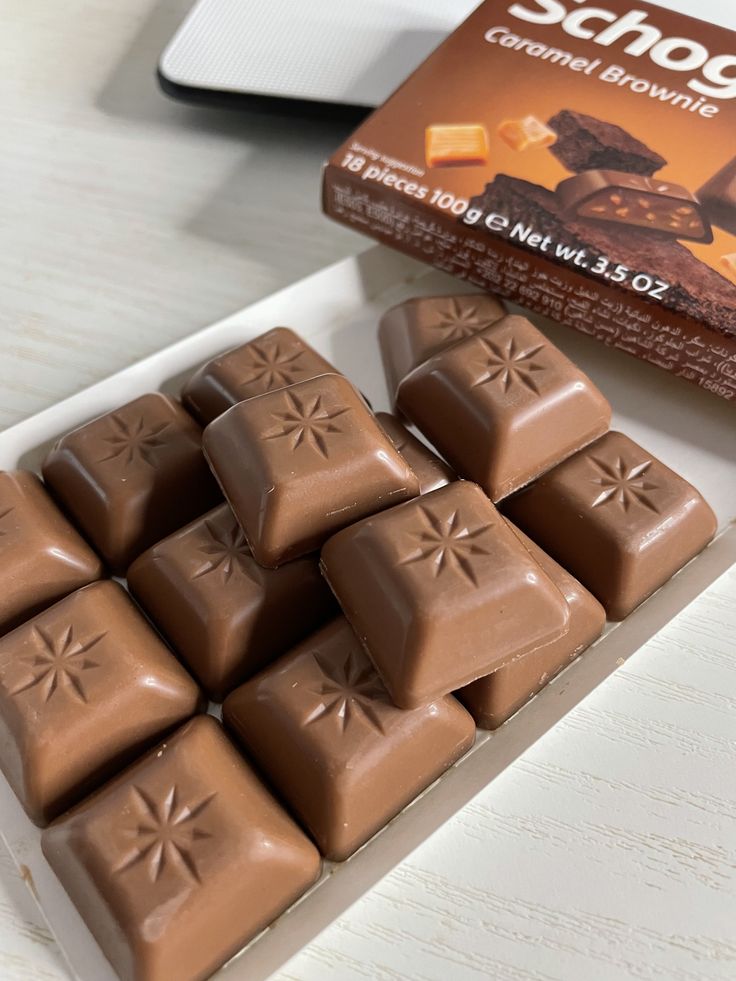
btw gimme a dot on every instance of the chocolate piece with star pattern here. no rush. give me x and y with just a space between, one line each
617 518
441 592
504 406
494 699
84 688
300 463
431 472
41 556
270 361
322 727
132 476
414 330
225 615
635 201
180 861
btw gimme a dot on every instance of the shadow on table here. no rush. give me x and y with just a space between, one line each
264 218
250 211
133 92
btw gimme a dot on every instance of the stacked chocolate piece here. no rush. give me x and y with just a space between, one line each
351 585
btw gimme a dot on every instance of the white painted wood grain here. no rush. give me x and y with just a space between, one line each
129 220
607 852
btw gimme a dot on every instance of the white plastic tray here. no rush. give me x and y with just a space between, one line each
337 310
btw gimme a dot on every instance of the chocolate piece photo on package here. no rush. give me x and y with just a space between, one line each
586 143
696 290
718 198
85 687
636 201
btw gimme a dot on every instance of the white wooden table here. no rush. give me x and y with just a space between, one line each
609 850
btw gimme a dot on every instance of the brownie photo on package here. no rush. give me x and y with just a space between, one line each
696 290
586 143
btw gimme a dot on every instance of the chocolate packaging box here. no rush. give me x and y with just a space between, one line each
577 159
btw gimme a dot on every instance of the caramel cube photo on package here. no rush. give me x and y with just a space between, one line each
528 133
460 145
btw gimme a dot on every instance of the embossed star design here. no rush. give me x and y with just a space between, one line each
272 366
166 835
448 544
134 441
458 320
228 552
306 423
60 663
509 365
624 484
348 693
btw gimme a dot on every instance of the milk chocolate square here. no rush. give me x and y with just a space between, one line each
42 558
224 615
180 861
441 592
504 406
298 464
322 727
414 330
84 688
494 699
270 361
132 476
431 472
617 518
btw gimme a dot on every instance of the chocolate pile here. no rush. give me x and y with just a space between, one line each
349 585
